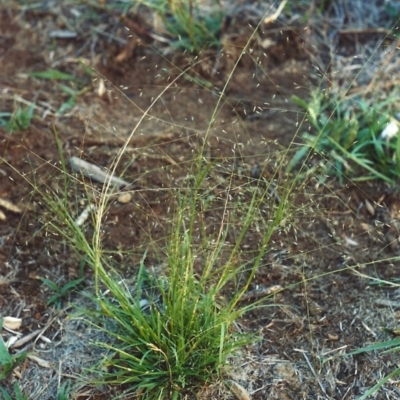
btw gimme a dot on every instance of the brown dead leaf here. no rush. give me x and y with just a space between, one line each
366 227
239 391
370 208
39 361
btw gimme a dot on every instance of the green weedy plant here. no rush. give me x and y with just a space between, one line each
191 28
63 391
7 361
61 292
348 137
19 120
17 393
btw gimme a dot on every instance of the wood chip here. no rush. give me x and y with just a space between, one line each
94 172
10 206
101 90
12 323
333 337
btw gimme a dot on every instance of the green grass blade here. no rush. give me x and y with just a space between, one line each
369 392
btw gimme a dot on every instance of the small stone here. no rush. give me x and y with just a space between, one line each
124 198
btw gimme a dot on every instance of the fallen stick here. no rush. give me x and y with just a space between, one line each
96 173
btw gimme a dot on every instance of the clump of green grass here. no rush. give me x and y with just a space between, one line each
347 134
179 344
191 27
18 120
171 334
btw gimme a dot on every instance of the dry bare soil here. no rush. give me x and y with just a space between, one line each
331 235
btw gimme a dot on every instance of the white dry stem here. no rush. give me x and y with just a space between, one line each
322 387
276 14
85 214
11 340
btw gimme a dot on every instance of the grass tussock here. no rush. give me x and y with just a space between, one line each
172 333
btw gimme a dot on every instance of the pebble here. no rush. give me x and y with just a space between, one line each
124 198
